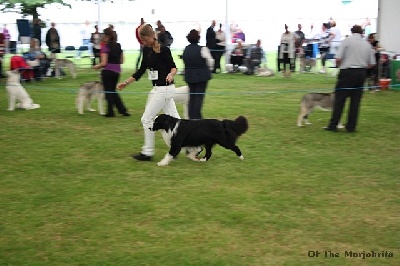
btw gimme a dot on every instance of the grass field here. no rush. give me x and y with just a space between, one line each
70 194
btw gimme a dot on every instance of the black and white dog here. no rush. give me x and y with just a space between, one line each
201 132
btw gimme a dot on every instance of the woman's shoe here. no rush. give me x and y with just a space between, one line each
142 157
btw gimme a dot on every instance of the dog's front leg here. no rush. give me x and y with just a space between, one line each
166 160
100 103
58 72
11 102
89 103
80 103
173 152
238 152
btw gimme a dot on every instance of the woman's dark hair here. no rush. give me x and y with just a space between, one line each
109 35
193 36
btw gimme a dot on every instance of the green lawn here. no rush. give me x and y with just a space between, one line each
70 194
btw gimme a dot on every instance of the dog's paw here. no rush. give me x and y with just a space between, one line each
162 163
192 156
340 126
102 113
300 125
241 157
10 109
202 160
91 110
308 123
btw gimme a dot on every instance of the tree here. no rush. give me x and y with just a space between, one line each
27 7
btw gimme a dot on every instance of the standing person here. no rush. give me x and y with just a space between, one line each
353 58
95 39
112 57
334 37
161 71
165 37
37 31
219 47
324 45
287 50
198 66
255 56
7 38
158 27
211 40
85 35
53 41
299 53
140 43
2 50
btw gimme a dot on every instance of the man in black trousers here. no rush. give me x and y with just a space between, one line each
211 41
353 58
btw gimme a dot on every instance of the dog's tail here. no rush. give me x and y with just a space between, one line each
239 125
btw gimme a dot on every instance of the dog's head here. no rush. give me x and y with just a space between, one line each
164 122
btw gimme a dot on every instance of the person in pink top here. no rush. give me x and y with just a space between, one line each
7 38
111 58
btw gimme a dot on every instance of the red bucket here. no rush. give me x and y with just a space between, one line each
384 84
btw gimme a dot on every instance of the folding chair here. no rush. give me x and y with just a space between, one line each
69 52
83 52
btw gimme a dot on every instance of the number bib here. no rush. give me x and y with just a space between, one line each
153 74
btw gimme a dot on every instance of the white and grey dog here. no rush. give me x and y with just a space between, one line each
87 91
18 97
309 101
61 63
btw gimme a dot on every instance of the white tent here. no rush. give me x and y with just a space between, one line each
388 18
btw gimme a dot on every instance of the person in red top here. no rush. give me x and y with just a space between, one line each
140 42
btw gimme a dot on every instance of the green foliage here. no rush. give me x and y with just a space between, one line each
28 7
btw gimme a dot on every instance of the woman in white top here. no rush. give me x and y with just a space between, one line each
287 49
95 39
335 37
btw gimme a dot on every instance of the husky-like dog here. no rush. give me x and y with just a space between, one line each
61 63
307 64
199 132
182 96
18 97
311 100
87 91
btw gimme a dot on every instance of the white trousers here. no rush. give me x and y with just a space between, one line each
160 98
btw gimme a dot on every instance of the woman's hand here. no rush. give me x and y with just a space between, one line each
169 78
121 86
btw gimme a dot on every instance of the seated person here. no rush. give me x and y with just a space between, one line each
255 56
18 62
37 59
237 55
